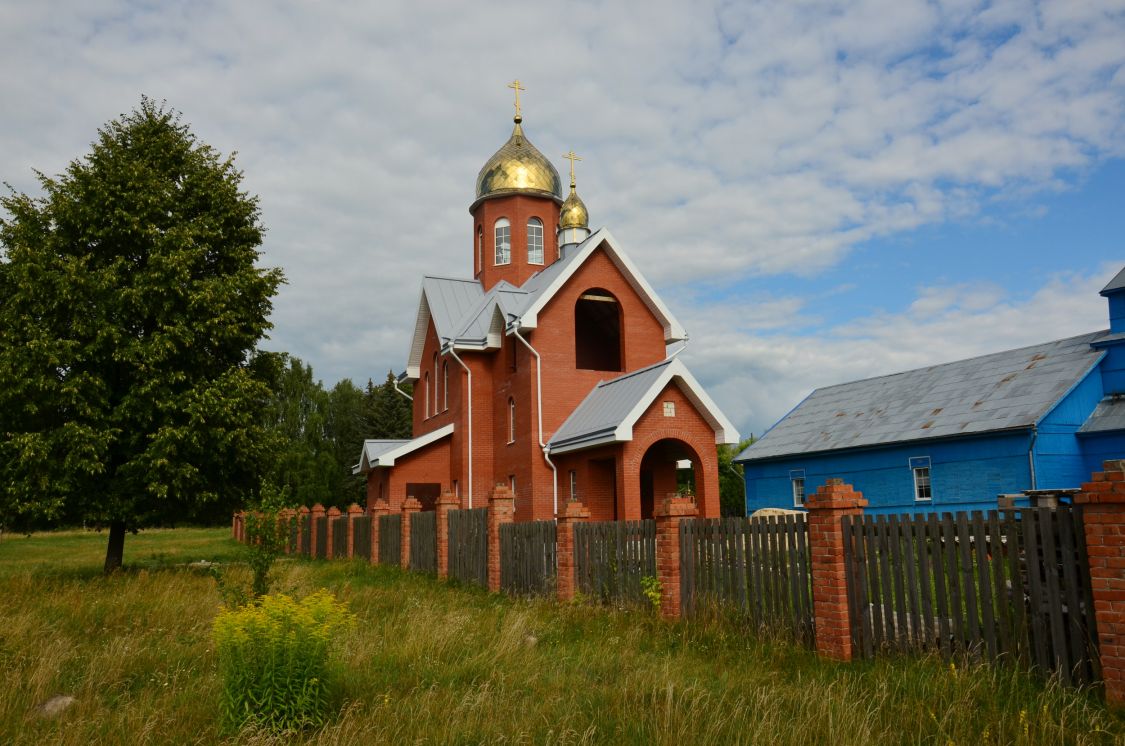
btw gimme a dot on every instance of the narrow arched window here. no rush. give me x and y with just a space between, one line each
445 385
480 249
535 241
511 420
503 241
426 387
436 379
597 331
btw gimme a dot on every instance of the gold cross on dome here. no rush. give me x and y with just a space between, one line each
515 86
572 158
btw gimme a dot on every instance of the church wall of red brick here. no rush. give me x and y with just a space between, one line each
518 209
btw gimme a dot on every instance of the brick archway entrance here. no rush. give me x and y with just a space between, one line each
662 472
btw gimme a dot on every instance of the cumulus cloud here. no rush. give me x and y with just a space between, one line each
721 141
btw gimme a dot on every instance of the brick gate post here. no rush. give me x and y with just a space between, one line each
354 511
302 517
333 514
501 510
668 514
316 514
1103 515
827 507
379 509
409 508
446 503
574 512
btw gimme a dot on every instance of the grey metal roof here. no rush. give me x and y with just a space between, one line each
606 407
450 300
1005 390
1108 415
1117 283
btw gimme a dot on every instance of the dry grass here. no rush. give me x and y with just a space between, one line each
434 664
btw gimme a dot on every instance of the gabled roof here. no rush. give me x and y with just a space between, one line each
377 453
1117 283
1006 390
610 410
445 300
1109 415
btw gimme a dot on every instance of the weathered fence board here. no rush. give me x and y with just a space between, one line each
1012 585
759 566
321 529
612 557
339 537
361 538
390 539
306 535
468 545
528 558
423 541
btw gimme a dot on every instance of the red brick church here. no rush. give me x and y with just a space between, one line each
549 370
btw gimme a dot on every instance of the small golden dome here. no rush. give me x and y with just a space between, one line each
573 213
518 167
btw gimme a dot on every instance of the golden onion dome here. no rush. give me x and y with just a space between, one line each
518 168
573 213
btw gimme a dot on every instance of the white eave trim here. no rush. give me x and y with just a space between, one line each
673 330
388 457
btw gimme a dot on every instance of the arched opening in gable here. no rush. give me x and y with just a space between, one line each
597 331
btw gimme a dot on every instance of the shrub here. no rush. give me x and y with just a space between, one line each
276 660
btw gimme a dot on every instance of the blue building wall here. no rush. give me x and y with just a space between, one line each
965 474
1059 458
1099 448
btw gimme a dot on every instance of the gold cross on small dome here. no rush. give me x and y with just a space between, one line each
515 86
572 158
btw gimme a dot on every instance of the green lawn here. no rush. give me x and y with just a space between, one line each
431 663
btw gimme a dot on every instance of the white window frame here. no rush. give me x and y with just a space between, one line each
480 249
797 486
445 386
426 386
512 484
573 484
534 242
669 409
502 257
511 420
922 475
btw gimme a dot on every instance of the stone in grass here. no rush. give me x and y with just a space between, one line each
55 706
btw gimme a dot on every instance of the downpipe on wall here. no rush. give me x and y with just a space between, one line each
453 354
539 412
1031 454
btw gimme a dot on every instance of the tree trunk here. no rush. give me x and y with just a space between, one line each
115 551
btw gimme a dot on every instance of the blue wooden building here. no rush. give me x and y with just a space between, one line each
955 436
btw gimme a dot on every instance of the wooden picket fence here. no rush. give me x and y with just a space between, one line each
423 542
321 528
528 562
611 558
760 566
390 539
339 537
361 537
998 585
468 545
306 534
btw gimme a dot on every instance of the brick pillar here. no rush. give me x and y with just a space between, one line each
574 512
333 514
668 514
302 516
501 510
379 509
827 507
354 511
316 514
446 503
1103 514
409 508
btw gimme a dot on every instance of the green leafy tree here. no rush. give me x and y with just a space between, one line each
131 305
732 488
346 426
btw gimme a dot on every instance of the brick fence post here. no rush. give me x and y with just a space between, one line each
354 511
668 514
1103 515
446 503
409 508
827 507
379 509
316 514
333 514
302 518
501 510
574 512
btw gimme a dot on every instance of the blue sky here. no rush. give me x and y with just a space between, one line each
821 191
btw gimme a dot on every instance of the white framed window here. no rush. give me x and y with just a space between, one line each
511 420
426 386
573 484
503 242
512 484
436 380
445 386
669 409
797 484
480 249
920 469
535 241
456 488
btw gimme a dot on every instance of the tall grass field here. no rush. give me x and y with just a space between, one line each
434 663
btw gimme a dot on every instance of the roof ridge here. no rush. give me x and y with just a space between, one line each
451 279
636 372
961 360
